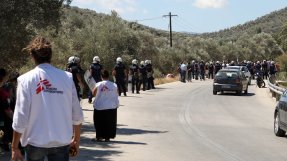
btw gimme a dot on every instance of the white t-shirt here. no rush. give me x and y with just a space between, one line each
183 67
47 107
107 96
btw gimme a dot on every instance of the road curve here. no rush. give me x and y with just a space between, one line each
186 122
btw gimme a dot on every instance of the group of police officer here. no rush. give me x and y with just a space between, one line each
137 75
200 70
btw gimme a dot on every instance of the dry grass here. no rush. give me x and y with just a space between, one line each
158 81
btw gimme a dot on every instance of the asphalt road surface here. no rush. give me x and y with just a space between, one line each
186 122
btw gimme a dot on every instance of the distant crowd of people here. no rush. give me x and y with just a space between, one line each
201 70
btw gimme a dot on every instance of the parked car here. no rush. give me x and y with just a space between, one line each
244 69
230 80
280 116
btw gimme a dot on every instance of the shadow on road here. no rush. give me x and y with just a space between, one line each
234 94
92 155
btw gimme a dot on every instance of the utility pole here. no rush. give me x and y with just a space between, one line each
170 27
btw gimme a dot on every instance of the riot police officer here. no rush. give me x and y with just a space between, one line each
150 78
120 75
134 73
202 70
217 67
210 70
74 67
95 71
265 69
142 75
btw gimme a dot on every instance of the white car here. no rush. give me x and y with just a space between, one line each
244 69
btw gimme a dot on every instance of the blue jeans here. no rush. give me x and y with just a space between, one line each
53 154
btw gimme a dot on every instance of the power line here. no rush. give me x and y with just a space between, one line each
182 25
149 19
185 22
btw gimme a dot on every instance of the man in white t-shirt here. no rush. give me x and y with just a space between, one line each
48 116
183 70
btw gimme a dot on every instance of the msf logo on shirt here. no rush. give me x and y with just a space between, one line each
42 84
45 86
105 89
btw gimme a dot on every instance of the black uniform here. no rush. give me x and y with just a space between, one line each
196 70
265 70
134 72
95 69
217 67
75 70
202 70
210 71
121 78
150 83
142 76
189 66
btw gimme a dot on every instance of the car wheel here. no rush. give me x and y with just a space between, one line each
214 92
246 91
277 130
222 92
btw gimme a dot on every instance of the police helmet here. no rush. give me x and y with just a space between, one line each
272 62
134 61
119 59
72 59
142 63
96 59
146 61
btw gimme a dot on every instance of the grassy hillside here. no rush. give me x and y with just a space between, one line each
86 33
271 23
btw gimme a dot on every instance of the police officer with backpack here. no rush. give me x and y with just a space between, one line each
73 66
95 71
120 75
134 73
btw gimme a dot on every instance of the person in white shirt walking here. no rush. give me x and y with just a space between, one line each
105 108
183 70
48 116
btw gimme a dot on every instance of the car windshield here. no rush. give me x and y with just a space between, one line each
227 74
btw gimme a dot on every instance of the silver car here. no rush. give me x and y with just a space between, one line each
280 116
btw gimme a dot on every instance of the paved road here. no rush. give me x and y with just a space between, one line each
186 122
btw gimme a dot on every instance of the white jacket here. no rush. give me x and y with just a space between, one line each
47 107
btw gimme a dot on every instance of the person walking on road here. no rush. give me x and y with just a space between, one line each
120 75
183 70
142 75
95 71
73 67
150 78
134 73
48 116
105 108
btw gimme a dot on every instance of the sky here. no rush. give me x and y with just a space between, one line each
195 16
